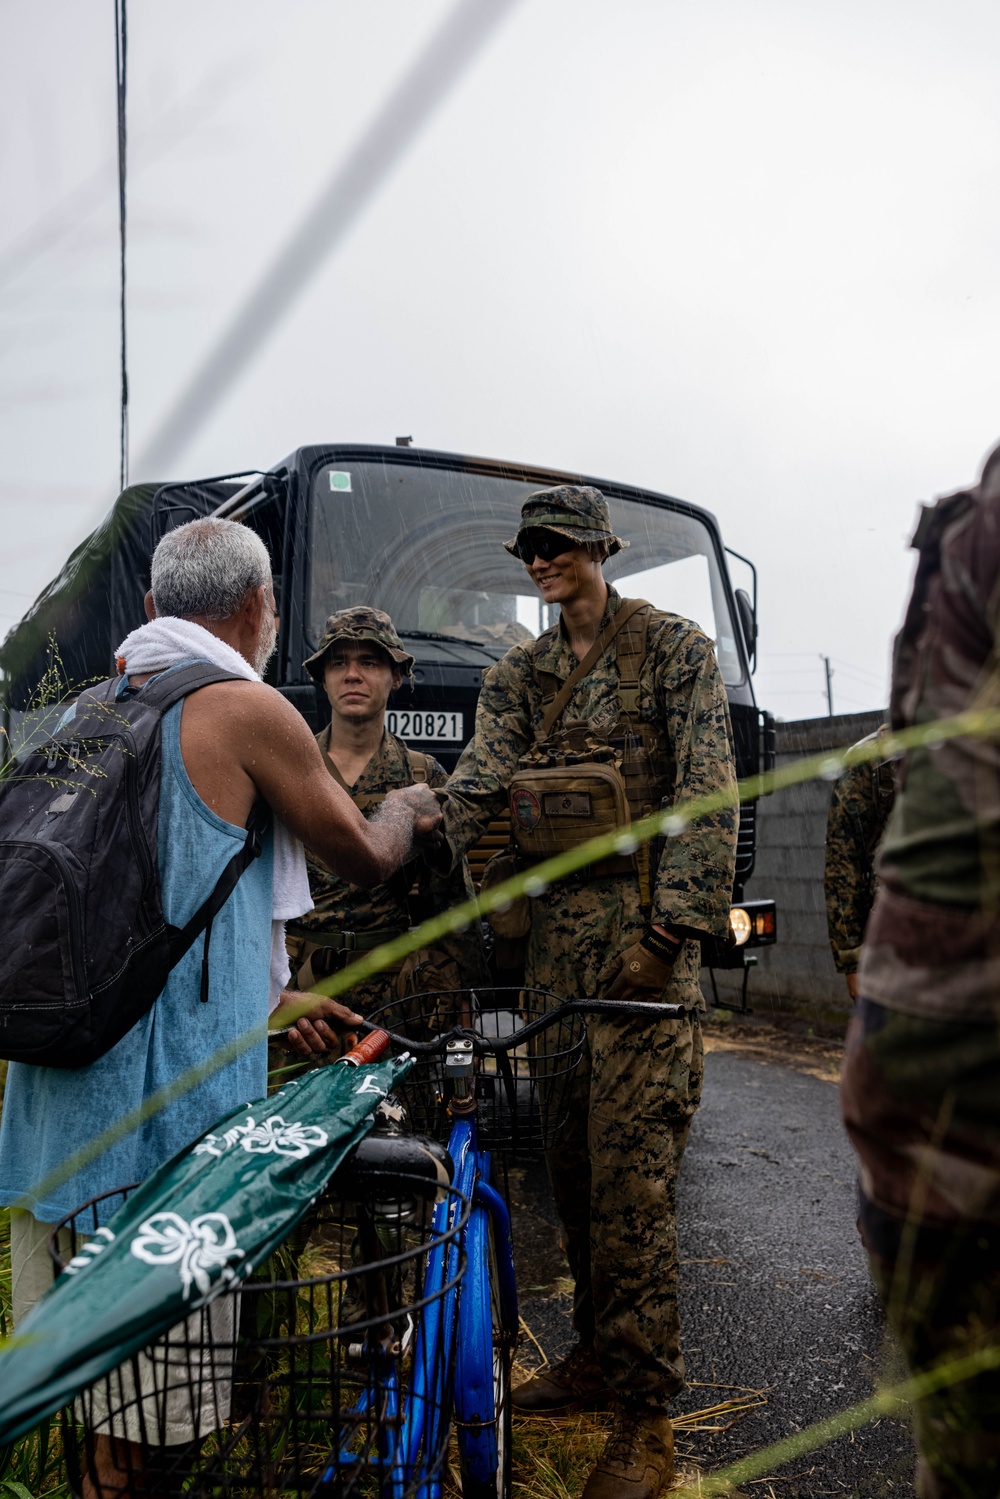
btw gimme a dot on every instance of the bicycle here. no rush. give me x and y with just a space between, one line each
348 1381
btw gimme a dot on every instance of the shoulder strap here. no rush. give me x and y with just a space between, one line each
167 688
331 767
630 653
419 764
555 709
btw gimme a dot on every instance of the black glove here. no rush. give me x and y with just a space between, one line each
645 969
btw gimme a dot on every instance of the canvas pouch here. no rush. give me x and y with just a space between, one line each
556 808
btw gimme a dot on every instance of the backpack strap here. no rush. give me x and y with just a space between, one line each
162 692
556 708
167 688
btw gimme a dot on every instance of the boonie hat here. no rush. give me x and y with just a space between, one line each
578 511
351 627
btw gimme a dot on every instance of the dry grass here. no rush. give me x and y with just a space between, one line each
815 1056
554 1455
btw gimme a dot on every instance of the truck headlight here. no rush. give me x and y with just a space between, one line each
740 925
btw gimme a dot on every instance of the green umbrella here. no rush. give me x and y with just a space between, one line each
197 1227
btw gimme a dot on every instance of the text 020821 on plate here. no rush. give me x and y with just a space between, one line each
424 724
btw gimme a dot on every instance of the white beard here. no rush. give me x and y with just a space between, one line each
267 642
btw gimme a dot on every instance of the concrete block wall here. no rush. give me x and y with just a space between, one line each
797 973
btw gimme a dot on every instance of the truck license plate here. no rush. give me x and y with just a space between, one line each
424 724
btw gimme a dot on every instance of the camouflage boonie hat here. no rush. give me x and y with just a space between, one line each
351 627
575 510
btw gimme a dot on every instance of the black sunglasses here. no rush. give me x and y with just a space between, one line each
544 544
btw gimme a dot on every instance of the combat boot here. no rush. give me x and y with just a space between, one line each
638 1458
575 1383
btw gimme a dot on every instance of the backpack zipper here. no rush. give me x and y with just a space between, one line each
49 851
133 820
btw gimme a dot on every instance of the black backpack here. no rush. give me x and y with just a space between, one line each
85 950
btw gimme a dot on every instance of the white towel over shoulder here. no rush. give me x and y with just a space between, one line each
169 642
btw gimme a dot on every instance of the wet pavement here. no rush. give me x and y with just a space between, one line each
775 1295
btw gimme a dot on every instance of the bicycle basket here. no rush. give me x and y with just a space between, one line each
523 1094
326 1372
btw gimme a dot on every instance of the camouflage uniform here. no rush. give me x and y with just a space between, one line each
614 1171
412 894
859 809
921 1084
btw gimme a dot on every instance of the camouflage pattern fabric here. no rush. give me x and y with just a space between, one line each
392 907
920 1104
615 1171
681 690
933 942
921 1081
356 627
575 510
859 809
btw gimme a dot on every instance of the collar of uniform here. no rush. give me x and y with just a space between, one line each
557 658
375 764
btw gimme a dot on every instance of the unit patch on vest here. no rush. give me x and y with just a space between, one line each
567 804
525 809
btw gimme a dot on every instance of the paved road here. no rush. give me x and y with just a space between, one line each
775 1293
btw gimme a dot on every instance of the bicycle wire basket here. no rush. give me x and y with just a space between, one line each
524 1093
324 1373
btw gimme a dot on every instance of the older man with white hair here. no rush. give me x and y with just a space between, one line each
223 748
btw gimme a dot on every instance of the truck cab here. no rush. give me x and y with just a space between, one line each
419 534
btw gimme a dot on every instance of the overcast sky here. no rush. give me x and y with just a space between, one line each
746 253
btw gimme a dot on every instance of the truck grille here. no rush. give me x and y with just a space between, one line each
746 839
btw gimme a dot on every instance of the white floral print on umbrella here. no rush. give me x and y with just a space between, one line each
277 1137
200 1247
272 1137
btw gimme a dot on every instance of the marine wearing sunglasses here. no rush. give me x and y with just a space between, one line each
540 543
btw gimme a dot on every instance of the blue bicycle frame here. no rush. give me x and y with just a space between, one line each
454 1344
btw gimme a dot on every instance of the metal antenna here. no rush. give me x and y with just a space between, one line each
121 60
423 88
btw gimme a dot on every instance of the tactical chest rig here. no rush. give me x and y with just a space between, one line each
577 782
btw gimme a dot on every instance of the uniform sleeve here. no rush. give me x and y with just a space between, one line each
440 892
694 882
852 831
477 791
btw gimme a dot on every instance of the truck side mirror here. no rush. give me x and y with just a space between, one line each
749 624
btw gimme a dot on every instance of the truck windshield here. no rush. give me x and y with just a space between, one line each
425 545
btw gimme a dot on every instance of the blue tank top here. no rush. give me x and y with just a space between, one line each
49 1112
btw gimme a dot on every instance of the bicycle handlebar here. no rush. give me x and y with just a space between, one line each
486 1045
370 1047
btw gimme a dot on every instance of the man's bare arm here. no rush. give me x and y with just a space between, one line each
240 738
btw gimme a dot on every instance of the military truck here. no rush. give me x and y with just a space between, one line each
417 533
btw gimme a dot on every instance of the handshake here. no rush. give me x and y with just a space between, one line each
423 806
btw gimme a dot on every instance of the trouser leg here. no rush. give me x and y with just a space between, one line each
920 1104
570 1175
646 1087
31 1268
614 1170
945 1312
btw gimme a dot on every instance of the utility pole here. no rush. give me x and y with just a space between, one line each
829 685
